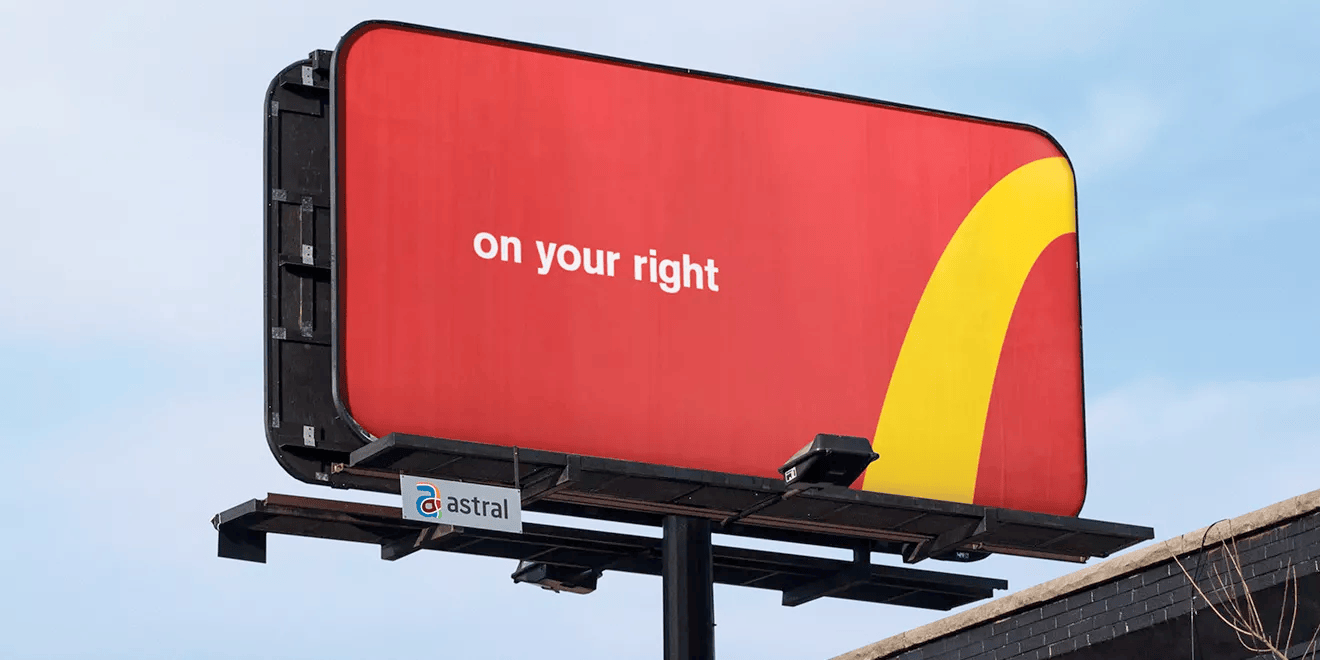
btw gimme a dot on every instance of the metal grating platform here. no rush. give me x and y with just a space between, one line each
742 505
243 531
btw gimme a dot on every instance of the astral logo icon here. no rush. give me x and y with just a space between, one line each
428 505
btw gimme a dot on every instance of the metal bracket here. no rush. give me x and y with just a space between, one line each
517 471
309 436
951 539
424 540
550 482
858 573
321 59
318 60
344 468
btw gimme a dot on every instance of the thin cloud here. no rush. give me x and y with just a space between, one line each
1202 451
1120 126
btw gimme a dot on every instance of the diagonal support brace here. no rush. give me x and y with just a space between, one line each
425 540
553 482
951 539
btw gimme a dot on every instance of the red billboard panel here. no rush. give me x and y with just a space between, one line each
547 249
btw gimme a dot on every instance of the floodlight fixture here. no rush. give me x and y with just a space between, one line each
962 556
556 578
830 459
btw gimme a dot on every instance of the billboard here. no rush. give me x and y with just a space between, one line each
552 250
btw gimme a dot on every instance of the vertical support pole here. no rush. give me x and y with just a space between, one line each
689 585
862 553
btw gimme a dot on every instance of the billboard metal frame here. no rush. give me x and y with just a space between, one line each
317 444
588 553
316 441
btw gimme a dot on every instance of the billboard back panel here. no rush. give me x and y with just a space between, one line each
551 250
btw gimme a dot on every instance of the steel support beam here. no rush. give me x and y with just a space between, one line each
689 589
859 572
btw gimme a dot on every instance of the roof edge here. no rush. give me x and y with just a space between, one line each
1106 571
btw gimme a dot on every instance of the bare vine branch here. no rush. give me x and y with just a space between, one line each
1237 609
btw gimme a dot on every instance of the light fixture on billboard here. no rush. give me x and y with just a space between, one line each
829 459
556 578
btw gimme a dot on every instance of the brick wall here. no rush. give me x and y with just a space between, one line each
1147 613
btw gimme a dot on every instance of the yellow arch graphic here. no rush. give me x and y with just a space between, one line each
933 418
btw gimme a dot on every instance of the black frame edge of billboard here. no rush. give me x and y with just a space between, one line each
362 28
306 464
301 469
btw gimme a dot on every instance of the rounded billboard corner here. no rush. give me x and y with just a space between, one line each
1081 501
357 32
341 404
1067 159
301 468
1081 367
1049 137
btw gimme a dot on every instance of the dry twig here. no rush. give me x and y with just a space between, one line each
1237 606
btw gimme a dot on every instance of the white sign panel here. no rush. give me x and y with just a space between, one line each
461 504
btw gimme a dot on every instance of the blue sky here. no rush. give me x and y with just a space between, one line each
130 287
